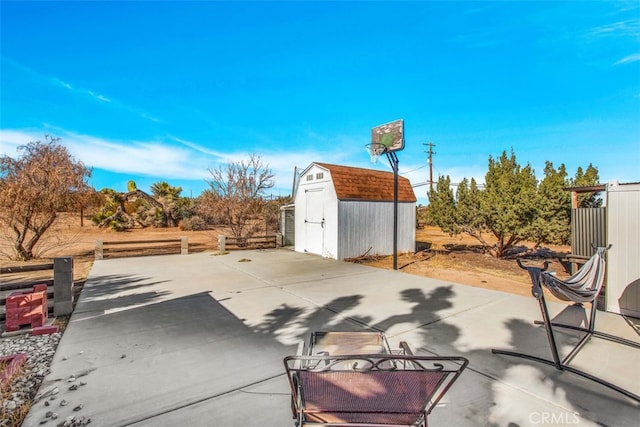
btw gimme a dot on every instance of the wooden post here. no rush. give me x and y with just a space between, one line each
99 252
222 240
62 286
184 245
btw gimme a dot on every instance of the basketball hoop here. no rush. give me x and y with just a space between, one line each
375 150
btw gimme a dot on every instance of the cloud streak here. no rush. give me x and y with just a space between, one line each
162 159
84 92
628 59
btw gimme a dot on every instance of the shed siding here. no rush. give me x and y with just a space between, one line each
623 233
367 227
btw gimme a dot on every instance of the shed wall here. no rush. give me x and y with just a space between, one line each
623 233
367 227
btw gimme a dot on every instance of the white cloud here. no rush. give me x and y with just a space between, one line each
10 140
630 58
148 158
53 80
177 158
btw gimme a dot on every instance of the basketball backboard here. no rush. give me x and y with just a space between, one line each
388 137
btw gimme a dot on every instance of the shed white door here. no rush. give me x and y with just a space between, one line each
314 221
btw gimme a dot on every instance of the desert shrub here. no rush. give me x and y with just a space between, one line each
195 223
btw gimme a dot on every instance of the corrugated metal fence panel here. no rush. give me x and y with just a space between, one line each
367 227
623 259
588 227
288 225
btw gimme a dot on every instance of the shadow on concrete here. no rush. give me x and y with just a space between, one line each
591 400
499 403
111 292
184 351
424 310
321 318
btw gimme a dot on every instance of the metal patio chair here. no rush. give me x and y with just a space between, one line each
583 286
380 389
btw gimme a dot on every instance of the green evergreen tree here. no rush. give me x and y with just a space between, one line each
552 222
508 202
442 209
587 178
469 215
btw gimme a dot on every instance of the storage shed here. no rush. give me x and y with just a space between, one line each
344 212
618 225
623 233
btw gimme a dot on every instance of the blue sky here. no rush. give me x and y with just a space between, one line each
151 91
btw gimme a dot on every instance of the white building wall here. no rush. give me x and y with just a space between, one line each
623 259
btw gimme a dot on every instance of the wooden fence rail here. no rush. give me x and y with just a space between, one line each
59 289
102 247
254 242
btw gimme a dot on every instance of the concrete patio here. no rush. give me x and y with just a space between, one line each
198 340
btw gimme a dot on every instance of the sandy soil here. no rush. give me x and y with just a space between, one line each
457 259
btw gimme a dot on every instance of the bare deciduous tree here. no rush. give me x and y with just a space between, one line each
237 193
33 188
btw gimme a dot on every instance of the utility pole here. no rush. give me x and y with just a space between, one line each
430 161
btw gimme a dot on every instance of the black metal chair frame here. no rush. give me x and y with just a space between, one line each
557 362
450 367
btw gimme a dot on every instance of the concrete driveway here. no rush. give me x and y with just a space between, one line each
199 339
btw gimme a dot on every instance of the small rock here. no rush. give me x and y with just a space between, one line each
48 414
123 356
83 383
46 403
54 416
63 402
71 379
74 387
46 420
79 407
53 397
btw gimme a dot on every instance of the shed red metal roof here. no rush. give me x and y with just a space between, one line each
367 184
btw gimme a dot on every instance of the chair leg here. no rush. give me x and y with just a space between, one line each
549 329
598 334
560 364
590 329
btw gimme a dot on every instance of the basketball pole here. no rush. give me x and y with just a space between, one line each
393 161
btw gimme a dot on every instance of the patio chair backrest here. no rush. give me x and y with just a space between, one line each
370 389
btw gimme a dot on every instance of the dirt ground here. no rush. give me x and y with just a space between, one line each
457 259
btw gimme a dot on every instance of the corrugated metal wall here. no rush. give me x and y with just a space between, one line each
288 225
623 259
588 226
368 226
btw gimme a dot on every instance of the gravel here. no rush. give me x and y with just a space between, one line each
40 351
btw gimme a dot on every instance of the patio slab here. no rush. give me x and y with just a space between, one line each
200 339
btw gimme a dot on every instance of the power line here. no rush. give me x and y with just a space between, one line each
453 184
